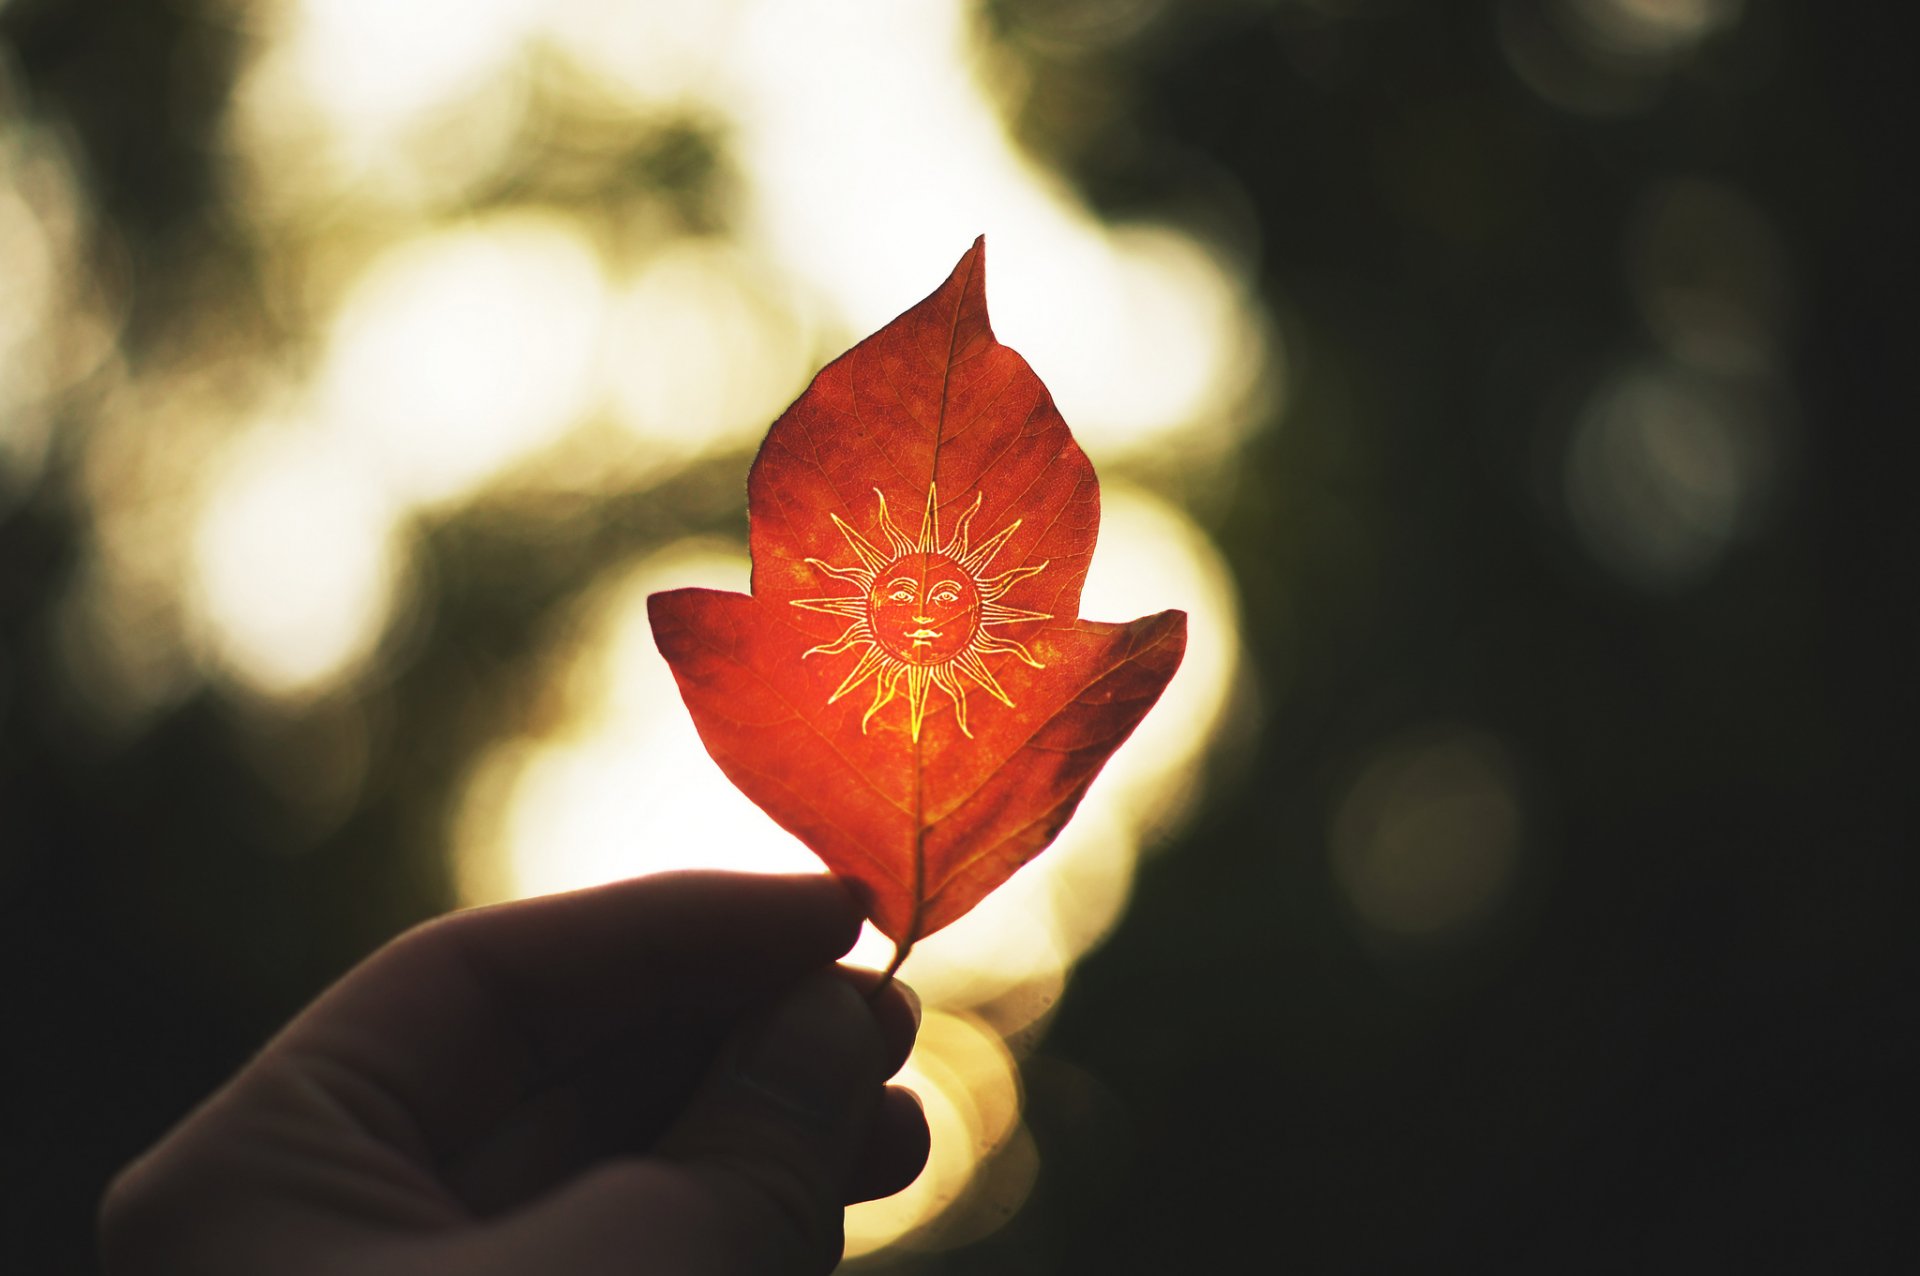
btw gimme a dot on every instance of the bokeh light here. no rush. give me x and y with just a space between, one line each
588 248
1142 335
1649 28
1428 837
296 563
1153 556
376 68
462 352
56 324
23 244
623 785
969 1085
1709 273
702 353
387 108
1608 57
664 56
1665 469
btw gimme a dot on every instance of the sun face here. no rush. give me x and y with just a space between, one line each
923 611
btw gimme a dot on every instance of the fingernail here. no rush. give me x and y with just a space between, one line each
818 1049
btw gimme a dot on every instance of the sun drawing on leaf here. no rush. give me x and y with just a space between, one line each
923 612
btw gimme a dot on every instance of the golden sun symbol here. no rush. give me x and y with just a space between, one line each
923 612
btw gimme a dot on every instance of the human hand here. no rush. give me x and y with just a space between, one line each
663 1075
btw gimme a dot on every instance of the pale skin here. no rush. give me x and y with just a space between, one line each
667 1075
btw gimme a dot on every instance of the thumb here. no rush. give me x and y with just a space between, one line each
751 1178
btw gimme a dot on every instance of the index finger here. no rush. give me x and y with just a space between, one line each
455 1021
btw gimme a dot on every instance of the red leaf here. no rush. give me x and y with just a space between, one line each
909 690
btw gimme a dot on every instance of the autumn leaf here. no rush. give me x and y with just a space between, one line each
909 689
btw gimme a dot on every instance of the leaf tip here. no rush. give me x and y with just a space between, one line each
972 265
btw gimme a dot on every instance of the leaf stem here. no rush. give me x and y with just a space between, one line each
900 951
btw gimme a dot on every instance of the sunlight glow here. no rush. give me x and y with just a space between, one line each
354 105
700 354
1152 556
295 563
375 65
1022 938
1145 336
1177 346
1140 335
664 54
464 351
626 787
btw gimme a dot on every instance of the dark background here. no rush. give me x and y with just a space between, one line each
1676 1051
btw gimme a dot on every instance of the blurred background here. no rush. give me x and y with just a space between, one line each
1513 878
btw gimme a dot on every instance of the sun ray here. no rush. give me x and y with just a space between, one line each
916 697
957 542
1000 642
851 608
884 688
1001 614
994 588
858 632
870 660
860 576
978 558
969 663
945 679
895 537
930 522
863 549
